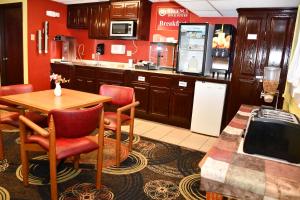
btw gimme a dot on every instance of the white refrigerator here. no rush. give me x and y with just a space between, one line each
208 108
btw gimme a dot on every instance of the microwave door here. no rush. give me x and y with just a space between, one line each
119 29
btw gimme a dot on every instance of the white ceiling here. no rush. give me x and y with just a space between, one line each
214 8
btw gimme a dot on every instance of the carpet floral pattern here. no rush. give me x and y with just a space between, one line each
153 170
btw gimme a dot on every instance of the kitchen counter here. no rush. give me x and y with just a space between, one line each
124 66
226 171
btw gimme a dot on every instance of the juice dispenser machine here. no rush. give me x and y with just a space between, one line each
223 49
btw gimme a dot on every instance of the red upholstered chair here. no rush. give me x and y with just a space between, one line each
124 98
68 136
9 113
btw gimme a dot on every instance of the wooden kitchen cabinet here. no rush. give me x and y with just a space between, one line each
274 30
99 21
84 79
159 102
181 106
142 95
124 10
77 17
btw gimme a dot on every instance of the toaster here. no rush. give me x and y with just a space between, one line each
273 133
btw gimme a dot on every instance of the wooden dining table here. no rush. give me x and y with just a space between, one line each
45 101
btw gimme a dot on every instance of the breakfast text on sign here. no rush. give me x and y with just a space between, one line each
168 18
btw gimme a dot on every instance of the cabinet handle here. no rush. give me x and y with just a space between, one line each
136 87
80 80
90 81
5 58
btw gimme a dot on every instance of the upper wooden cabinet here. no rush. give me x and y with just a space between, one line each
78 16
99 21
124 10
272 33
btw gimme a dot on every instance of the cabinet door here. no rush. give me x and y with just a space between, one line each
131 9
245 88
78 83
280 29
105 21
159 102
78 16
142 95
181 105
117 10
99 21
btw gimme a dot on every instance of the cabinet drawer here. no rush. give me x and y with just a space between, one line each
111 75
160 81
185 83
140 77
131 9
89 72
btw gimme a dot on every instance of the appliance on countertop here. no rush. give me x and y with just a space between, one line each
68 47
273 133
122 28
147 65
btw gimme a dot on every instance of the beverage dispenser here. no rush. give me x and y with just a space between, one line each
222 49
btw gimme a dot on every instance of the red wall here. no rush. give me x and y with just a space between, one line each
38 64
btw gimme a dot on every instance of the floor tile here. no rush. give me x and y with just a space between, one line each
176 136
208 144
194 141
158 132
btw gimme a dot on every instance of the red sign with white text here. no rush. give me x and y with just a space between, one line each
168 18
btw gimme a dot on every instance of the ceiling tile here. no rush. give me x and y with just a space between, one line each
196 5
206 13
229 13
234 4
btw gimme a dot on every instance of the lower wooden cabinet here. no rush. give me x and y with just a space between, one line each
141 95
181 106
159 102
165 98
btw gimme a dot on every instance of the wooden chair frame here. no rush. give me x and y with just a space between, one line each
26 147
120 110
9 109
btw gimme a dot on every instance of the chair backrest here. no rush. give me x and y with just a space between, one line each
73 123
14 89
120 95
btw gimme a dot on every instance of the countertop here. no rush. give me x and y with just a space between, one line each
227 172
124 66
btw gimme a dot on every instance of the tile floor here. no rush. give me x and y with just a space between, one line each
174 135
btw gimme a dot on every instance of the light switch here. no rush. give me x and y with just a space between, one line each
32 37
93 56
129 53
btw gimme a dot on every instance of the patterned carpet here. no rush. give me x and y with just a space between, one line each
153 170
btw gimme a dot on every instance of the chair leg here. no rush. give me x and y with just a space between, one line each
130 137
118 146
76 161
99 164
1 146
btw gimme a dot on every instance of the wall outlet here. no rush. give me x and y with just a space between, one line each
32 37
93 56
129 53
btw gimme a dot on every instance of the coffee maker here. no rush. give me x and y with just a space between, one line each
68 48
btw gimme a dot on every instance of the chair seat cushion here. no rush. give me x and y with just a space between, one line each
111 120
66 147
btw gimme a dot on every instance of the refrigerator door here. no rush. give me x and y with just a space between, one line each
192 48
208 108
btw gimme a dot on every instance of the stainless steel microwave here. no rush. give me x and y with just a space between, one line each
122 28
